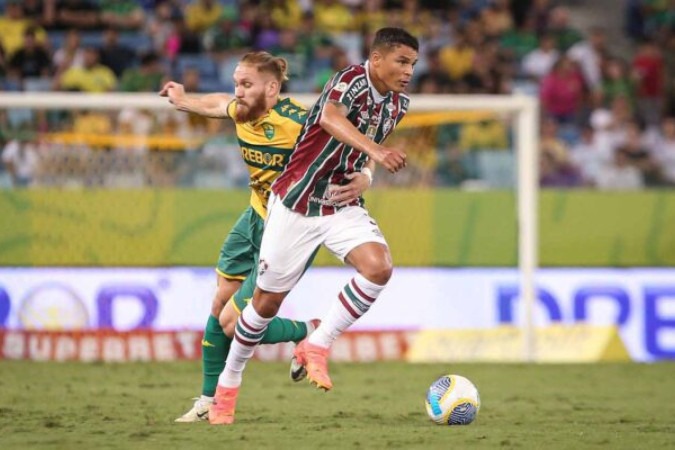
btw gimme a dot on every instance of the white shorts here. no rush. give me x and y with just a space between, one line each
291 238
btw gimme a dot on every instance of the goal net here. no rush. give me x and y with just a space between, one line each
127 141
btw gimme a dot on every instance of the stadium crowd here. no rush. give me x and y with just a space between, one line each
608 120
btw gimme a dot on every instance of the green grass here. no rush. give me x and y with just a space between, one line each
96 406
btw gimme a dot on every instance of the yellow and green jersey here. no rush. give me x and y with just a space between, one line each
266 145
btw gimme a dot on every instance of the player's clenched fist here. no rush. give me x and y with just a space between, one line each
172 90
392 159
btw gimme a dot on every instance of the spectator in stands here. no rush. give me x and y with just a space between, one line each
3 66
31 60
226 38
649 70
620 174
70 54
114 55
200 15
145 78
457 59
556 174
486 134
21 160
559 26
333 17
73 14
265 34
435 79
122 14
13 26
664 150
589 55
562 91
520 41
589 156
371 16
538 63
616 83
296 53
160 26
537 10
551 144
285 14
36 12
496 18
92 77
639 154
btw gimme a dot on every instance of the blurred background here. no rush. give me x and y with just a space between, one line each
112 219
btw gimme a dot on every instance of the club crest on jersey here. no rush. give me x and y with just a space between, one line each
341 87
388 125
268 129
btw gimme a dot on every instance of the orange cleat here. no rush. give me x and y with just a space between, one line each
315 360
221 411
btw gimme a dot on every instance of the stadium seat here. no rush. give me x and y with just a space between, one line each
204 64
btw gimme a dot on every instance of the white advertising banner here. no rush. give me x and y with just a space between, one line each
641 302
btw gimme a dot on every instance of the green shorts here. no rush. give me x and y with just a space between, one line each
239 253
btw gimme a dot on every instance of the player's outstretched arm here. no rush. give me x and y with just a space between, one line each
334 121
209 105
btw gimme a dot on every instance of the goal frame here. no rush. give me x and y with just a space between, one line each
525 108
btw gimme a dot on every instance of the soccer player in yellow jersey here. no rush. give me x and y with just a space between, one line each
267 128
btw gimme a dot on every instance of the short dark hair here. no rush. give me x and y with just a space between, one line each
389 37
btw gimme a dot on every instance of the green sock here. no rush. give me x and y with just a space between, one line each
284 330
215 347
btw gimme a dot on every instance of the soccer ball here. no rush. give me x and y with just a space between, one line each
452 400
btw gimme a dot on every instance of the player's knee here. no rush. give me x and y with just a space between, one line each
228 324
378 271
228 321
217 306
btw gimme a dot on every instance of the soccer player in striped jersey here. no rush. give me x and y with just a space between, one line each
358 108
267 128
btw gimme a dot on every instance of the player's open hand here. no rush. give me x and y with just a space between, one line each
346 194
174 91
391 158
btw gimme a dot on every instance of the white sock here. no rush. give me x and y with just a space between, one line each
247 334
353 301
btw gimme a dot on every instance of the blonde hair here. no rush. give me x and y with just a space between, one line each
266 62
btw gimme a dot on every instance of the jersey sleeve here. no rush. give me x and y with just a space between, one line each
231 108
346 87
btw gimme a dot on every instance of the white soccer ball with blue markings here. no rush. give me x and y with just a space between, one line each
452 400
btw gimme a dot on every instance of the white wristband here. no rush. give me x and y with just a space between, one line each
369 173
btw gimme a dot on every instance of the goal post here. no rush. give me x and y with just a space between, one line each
524 108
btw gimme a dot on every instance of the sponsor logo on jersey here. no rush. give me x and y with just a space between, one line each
341 87
260 157
268 128
356 88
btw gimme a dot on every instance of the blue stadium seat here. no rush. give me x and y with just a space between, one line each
203 63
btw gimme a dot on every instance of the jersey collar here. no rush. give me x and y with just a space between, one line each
377 97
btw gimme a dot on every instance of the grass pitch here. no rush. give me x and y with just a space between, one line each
381 405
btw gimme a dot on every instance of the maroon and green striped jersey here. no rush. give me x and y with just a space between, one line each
319 160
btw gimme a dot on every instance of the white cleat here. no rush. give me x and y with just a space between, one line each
298 371
199 411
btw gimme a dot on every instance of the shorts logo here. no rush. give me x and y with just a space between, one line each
262 267
341 87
